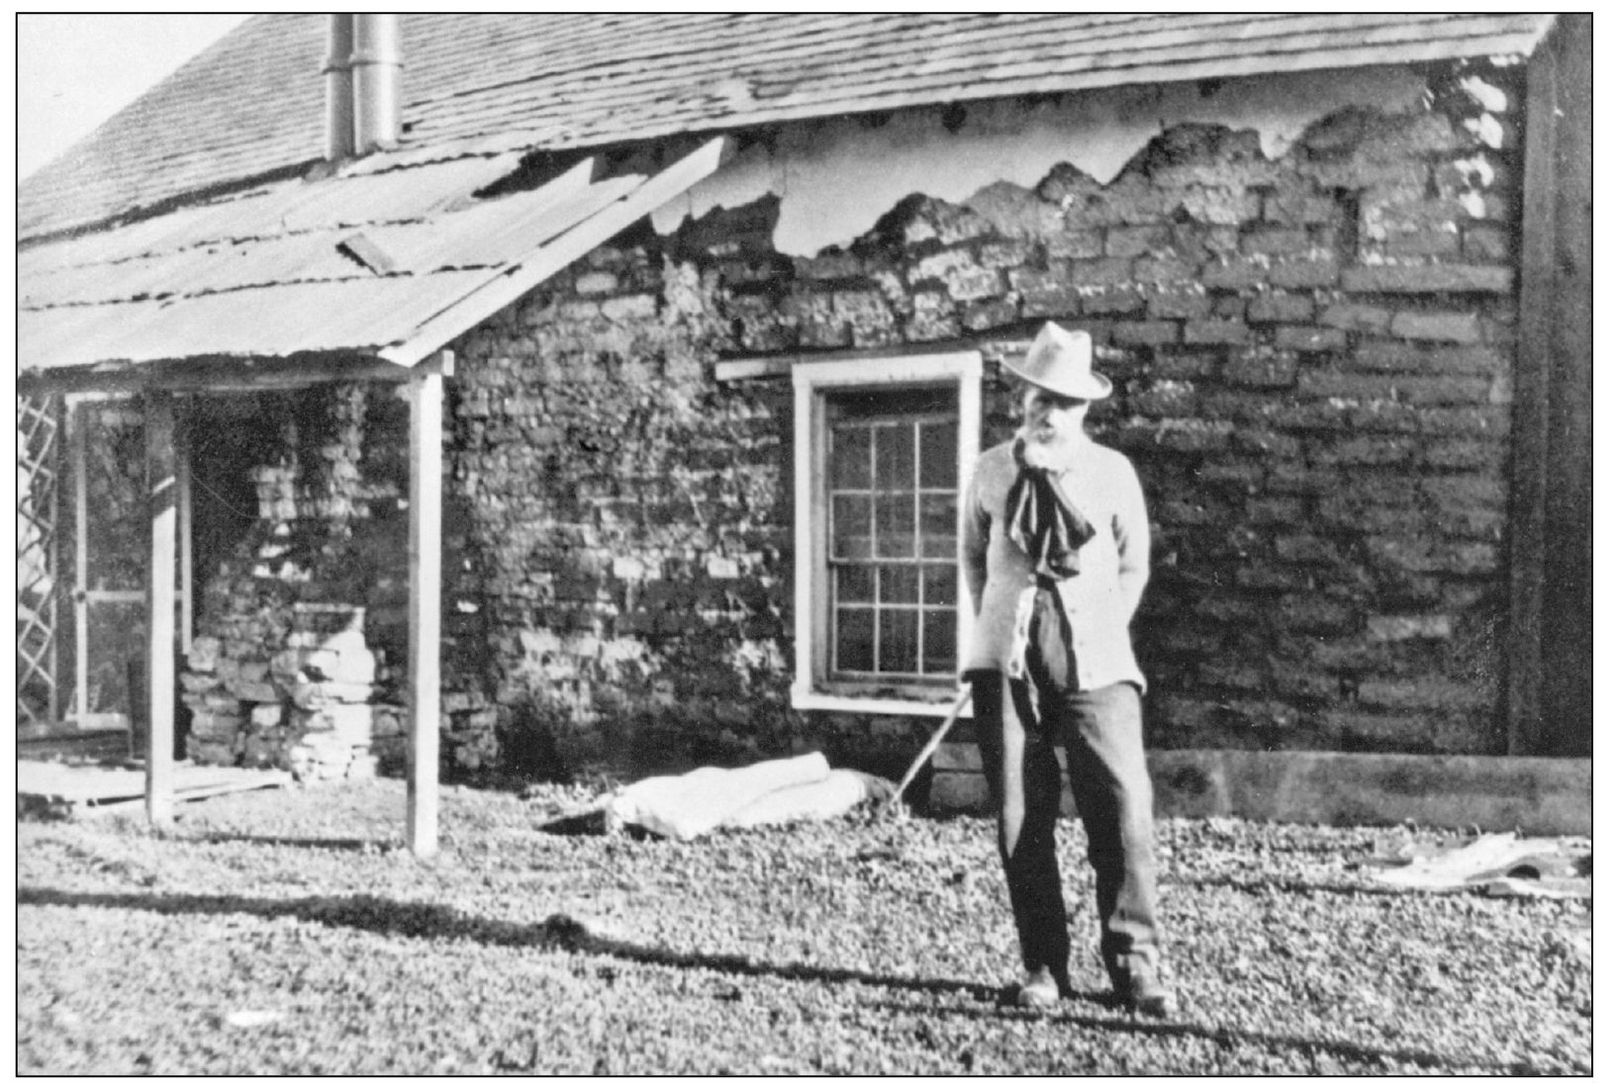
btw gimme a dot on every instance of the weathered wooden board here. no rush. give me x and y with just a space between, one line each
78 790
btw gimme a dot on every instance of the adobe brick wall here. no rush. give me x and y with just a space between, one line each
629 525
324 552
1312 358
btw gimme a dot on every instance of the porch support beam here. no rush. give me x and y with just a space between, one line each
426 391
219 374
182 453
161 488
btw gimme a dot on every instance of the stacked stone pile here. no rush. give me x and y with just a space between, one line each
236 714
329 677
307 708
217 717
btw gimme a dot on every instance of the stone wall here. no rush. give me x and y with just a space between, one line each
629 523
1312 355
300 625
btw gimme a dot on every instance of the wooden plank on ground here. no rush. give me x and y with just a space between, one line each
75 790
95 738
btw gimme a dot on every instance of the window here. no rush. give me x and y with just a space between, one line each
883 448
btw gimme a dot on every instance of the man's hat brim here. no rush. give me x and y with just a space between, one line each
1082 386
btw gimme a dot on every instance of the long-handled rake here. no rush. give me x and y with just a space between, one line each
927 751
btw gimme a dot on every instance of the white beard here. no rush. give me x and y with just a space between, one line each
1047 450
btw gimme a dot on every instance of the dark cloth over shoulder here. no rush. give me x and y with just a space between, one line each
1042 521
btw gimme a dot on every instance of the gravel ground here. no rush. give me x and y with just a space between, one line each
289 932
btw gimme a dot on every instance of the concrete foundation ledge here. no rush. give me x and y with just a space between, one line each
1534 795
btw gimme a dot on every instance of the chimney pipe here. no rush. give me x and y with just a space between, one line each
376 66
339 87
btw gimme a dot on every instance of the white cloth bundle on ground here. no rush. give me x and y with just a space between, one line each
771 792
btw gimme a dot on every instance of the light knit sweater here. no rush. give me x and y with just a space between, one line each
1099 601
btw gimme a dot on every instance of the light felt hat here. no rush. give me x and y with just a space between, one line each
1060 361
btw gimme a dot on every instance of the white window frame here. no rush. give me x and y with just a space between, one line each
812 382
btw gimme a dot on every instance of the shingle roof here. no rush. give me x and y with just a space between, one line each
252 104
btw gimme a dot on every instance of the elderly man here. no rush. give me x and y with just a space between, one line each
1054 544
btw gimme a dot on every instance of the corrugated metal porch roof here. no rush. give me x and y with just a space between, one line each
382 264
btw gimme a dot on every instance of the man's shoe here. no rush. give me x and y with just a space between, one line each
1039 989
1145 995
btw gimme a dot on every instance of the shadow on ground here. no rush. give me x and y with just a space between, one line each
430 921
318 843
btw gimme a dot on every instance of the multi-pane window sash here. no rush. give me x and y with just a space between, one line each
891 549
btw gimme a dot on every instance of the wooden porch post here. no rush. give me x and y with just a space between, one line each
1550 544
1527 543
426 454
182 476
160 487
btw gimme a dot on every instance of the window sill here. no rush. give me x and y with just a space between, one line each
803 700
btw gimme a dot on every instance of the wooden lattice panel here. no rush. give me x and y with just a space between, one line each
39 427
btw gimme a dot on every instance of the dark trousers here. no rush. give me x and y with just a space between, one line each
1019 721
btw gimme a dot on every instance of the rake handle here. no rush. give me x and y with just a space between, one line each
927 751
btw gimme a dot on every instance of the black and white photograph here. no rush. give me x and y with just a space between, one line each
805 543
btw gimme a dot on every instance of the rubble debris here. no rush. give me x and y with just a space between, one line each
1498 864
308 708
